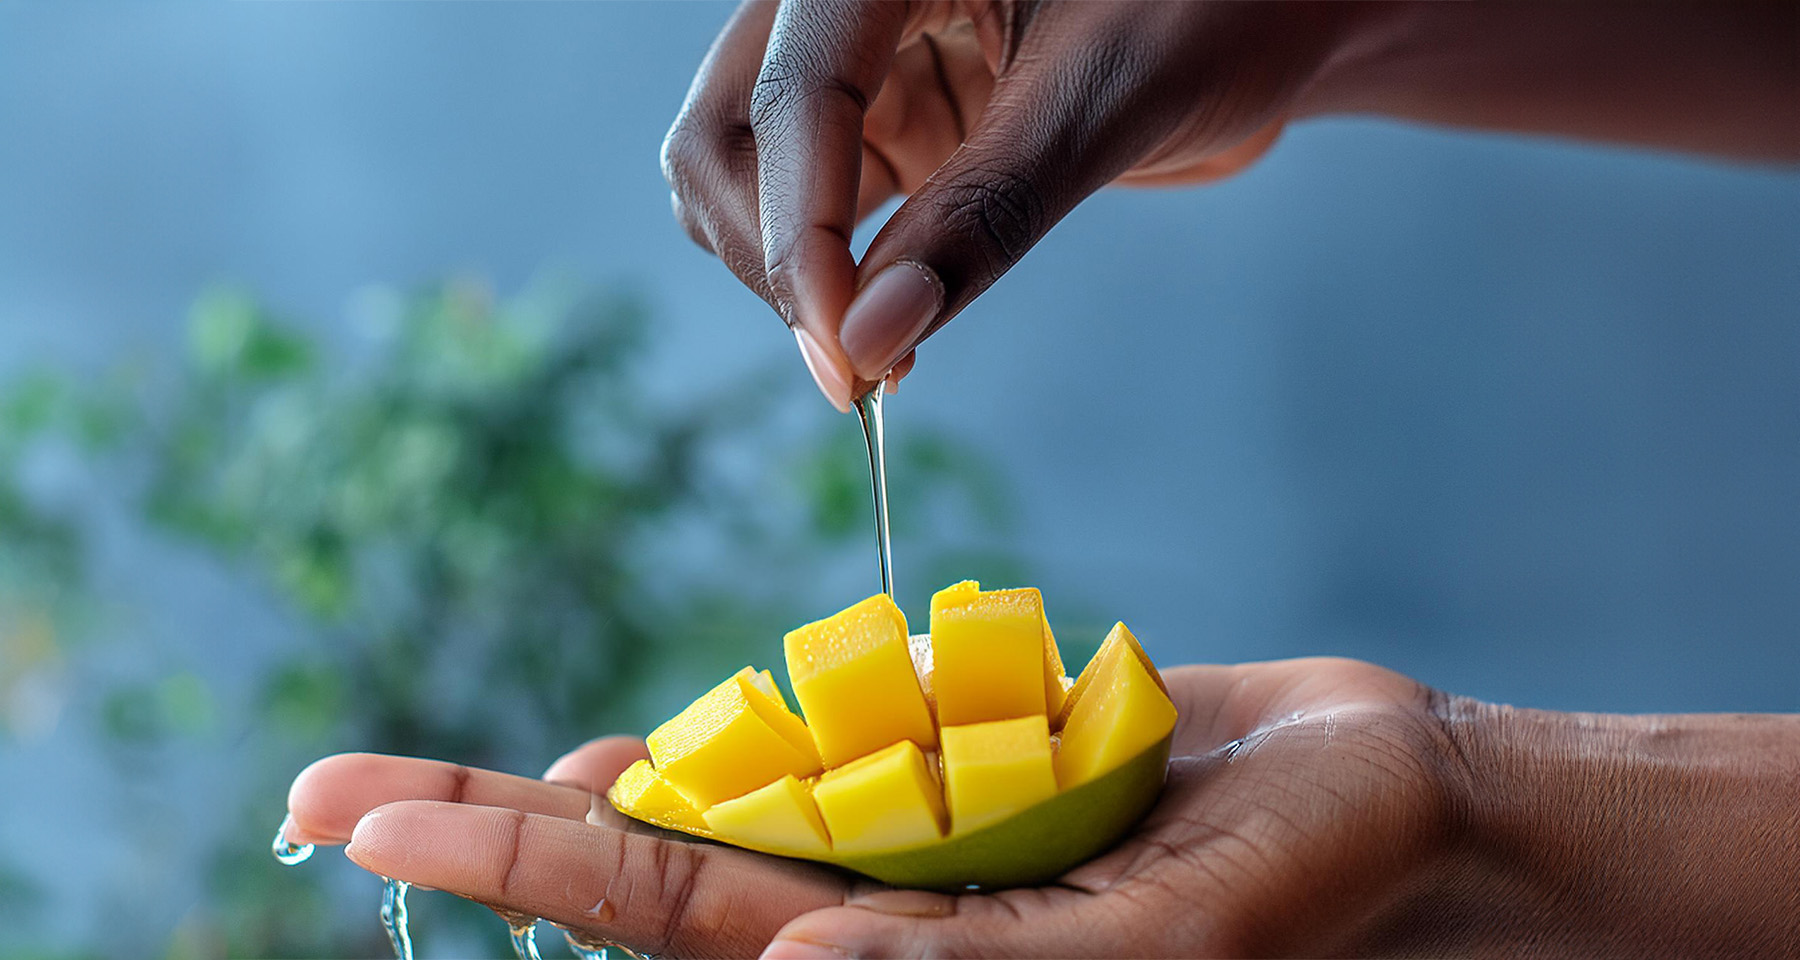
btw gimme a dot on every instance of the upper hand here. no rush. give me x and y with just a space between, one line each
994 117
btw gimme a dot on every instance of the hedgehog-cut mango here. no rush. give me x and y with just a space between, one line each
961 759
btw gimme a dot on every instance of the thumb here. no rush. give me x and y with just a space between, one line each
914 923
1059 125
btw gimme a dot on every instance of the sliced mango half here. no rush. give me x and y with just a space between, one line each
961 758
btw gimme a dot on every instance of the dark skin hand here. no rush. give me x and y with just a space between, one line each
1314 807
994 119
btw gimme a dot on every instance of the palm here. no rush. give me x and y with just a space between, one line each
1292 788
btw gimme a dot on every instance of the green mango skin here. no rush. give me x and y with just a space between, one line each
1033 846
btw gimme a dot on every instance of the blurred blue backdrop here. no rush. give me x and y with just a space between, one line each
1520 418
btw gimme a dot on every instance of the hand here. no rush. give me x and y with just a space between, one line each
996 117
1303 798
1316 807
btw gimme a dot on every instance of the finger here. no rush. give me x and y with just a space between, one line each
825 64
935 89
654 894
709 159
880 181
1032 922
1056 128
594 765
690 223
709 154
330 796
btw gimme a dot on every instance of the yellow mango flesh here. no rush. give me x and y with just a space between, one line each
1121 713
722 747
988 659
1118 636
771 707
780 816
643 789
854 679
885 801
995 769
1011 800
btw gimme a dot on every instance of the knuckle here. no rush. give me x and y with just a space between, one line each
705 164
506 884
778 268
681 154
697 150
1000 212
677 873
784 89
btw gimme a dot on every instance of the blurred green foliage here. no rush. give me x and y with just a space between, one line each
498 532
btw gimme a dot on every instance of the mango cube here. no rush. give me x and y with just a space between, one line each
886 800
643 793
993 655
993 770
1120 712
766 700
731 741
854 679
780 816
1118 636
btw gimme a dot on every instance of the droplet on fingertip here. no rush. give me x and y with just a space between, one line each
285 850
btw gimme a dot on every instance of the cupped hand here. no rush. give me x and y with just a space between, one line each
994 118
1306 804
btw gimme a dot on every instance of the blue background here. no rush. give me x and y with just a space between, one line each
1520 418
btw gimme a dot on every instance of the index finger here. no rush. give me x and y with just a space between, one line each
635 885
825 63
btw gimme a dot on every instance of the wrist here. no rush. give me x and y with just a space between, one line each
1602 834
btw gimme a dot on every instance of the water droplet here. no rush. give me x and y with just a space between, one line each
393 917
524 937
588 948
286 852
582 949
602 911
1232 748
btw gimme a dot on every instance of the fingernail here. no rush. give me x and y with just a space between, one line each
802 950
889 316
831 380
561 772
